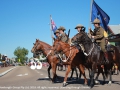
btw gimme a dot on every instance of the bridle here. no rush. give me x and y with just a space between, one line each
44 49
86 54
70 54
36 47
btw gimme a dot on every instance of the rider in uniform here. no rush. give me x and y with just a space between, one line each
63 38
98 36
80 28
57 34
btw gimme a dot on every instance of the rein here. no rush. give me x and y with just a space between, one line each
48 54
65 52
89 51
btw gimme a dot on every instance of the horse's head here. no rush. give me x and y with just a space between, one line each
78 38
36 46
57 45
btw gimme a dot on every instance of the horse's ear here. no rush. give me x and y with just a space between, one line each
33 43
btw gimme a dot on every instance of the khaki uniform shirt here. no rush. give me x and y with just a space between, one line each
64 38
99 34
99 37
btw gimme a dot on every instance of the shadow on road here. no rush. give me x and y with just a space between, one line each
76 81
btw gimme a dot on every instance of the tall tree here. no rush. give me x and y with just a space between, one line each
0 56
21 54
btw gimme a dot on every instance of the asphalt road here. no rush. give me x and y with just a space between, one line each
24 78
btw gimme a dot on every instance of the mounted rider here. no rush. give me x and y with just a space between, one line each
98 36
80 28
64 38
57 34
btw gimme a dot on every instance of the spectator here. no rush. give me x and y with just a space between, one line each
3 60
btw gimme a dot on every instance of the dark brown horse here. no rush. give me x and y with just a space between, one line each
75 58
95 57
115 50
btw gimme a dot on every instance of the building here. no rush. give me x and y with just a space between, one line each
114 34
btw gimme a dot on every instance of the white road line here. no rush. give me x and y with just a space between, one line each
23 74
20 75
46 77
26 74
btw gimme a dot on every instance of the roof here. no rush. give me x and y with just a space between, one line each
114 38
115 28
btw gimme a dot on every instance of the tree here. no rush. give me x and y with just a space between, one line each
21 54
0 56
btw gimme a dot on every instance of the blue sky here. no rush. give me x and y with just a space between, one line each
22 21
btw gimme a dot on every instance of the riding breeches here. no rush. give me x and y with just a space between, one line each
102 45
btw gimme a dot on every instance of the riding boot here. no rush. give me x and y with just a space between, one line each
106 57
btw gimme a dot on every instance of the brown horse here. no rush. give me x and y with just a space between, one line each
115 50
95 57
75 58
52 59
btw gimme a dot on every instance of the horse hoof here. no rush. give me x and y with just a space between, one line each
97 82
110 82
91 85
64 84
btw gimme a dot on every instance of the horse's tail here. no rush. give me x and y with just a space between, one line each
106 71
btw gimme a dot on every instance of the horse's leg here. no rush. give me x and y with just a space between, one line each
76 73
89 71
98 73
66 75
80 75
96 79
65 67
92 75
54 71
71 74
81 67
110 77
103 74
49 71
58 68
61 67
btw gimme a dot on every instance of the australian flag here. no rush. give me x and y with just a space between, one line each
97 12
53 26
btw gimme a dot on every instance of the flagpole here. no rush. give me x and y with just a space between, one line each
51 29
90 15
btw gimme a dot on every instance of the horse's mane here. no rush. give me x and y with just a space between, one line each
45 43
87 37
66 44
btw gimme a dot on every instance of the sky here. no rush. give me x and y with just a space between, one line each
24 21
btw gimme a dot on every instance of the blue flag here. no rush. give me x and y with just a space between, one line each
97 12
53 26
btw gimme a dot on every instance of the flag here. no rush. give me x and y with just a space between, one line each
97 12
53 25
